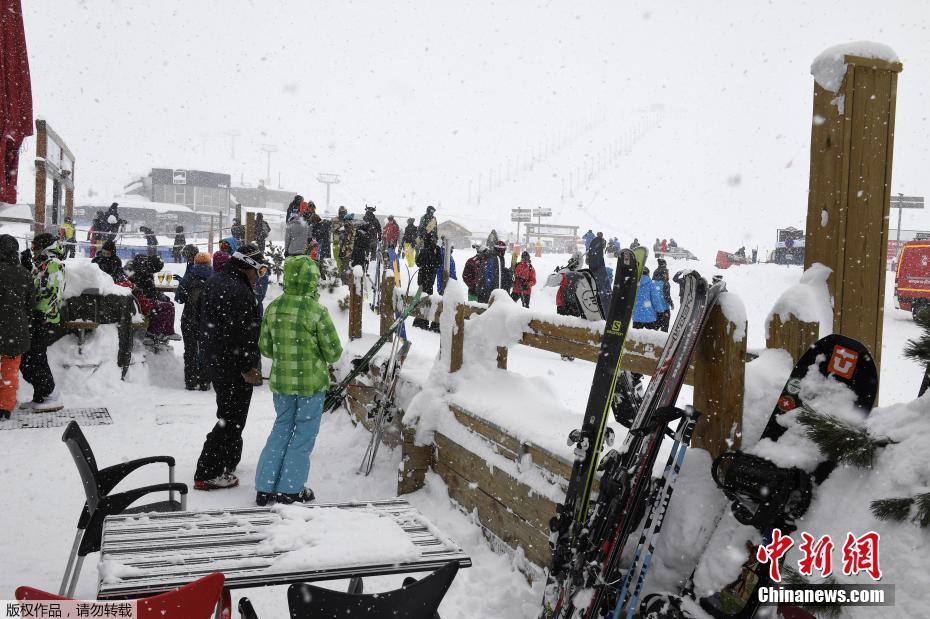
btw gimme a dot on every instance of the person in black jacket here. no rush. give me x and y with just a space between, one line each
493 273
597 267
150 240
237 230
229 343
361 245
108 262
179 242
374 229
190 294
17 298
429 261
660 277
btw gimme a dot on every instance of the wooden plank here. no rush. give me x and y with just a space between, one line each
415 462
793 335
507 445
560 346
517 496
355 309
249 227
456 354
719 383
497 519
386 306
577 334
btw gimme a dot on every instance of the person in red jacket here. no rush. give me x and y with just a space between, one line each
524 278
470 275
391 233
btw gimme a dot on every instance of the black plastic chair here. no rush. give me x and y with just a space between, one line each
417 599
98 483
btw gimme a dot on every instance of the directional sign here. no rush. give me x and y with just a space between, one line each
907 201
542 212
520 215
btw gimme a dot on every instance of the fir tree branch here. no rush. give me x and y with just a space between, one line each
895 510
838 440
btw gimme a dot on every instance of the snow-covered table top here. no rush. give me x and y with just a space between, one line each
146 554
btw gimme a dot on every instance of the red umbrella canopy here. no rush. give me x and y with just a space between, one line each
15 95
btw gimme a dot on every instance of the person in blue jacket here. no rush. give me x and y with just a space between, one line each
649 303
587 238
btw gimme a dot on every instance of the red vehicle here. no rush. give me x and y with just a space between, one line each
912 277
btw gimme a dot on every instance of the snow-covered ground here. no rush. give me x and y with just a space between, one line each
153 414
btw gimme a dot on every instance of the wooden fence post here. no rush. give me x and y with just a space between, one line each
793 335
249 227
386 307
458 340
852 140
719 381
415 461
355 309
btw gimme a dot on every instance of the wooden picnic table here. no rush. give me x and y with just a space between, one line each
168 288
147 554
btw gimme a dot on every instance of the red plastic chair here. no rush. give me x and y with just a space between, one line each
196 600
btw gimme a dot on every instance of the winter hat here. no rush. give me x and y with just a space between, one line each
202 258
525 255
645 270
430 210
390 218
9 249
220 258
179 228
411 220
109 246
189 251
43 240
500 246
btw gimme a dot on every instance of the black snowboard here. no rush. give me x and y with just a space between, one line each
847 361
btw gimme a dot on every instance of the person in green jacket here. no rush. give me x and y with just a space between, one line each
45 327
298 335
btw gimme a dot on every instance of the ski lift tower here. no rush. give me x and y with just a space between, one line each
327 179
268 149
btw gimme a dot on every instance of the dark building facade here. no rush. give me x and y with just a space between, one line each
201 191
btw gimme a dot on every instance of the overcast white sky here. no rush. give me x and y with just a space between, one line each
410 100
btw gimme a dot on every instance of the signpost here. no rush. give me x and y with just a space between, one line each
900 202
520 215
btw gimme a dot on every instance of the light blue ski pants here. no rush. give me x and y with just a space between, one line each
284 465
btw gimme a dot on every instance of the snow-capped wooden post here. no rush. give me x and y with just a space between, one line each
249 227
386 309
852 137
720 376
355 306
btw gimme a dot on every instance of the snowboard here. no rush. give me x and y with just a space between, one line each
845 360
